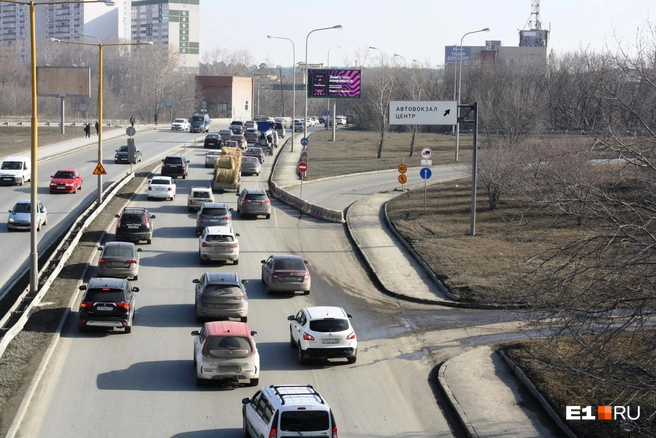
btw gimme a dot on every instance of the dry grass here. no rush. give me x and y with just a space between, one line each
14 139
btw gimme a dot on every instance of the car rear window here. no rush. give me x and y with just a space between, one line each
228 347
219 238
203 195
290 264
222 290
249 160
215 211
304 421
212 137
329 325
256 196
173 160
131 218
117 251
111 295
160 181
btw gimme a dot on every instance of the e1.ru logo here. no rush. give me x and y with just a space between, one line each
603 413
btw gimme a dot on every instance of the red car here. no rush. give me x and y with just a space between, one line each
66 181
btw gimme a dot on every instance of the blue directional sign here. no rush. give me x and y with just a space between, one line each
425 173
304 141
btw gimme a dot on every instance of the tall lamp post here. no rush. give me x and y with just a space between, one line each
34 144
405 64
457 126
100 90
337 26
293 83
381 53
328 66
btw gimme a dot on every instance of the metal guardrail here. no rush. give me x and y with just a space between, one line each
15 319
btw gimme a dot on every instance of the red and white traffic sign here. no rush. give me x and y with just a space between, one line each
302 167
426 153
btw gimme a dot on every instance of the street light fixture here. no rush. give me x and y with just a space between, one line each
294 81
405 64
457 126
100 90
34 134
381 52
337 26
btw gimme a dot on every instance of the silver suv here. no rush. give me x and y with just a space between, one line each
253 202
221 295
212 214
288 410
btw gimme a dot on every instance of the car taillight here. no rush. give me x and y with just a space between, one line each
235 245
334 431
244 201
307 337
351 336
239 297
170 189
131 261
266 201
86 304
202 217
191 201
274 275
150 188
307 275
103 261
225 218
123 305
273 433
118 224
147 222
211 200
204 245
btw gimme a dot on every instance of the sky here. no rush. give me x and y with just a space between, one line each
414 29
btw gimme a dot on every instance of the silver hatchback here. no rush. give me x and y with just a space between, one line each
253 202
221 295
119 259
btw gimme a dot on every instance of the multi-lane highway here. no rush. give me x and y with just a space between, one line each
143 383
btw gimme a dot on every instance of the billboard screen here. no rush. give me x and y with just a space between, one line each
331 83
451 56
63 81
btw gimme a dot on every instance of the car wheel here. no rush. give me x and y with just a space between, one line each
184 176
21 181
301 356
38 226
254 382
352 359
235 262
128 329
148 241
268 216
292 343
135 278
306 292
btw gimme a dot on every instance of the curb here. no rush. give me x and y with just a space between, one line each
464 420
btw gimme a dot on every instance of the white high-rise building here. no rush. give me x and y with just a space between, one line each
174 23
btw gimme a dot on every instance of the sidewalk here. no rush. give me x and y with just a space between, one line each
488 397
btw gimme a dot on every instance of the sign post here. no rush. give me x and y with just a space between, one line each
425 173
302 168
402 170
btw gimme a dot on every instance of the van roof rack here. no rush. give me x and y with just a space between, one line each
312 392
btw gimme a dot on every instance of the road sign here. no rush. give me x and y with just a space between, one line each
168 103
130 131
403 179
99 170
304 141
426 153
426 163
403 168
425 173
302 167
421 112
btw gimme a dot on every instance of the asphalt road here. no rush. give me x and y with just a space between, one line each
143 383
63 208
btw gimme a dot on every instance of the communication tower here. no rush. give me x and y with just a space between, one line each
534 36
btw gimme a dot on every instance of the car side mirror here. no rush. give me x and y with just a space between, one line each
162 160
100 248
231 209
195 333
152 216
188 161
195 280
138 249
253 333
291 318
117 216
349 316
52 176
237 234
244 281
262 261
236 194
245 401
306 262
135 289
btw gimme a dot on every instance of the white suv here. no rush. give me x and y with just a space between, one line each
198 196
288 410
322 332
218 243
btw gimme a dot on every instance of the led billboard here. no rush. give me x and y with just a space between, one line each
331 83
453 54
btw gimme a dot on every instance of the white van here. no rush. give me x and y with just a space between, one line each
286 411
15 170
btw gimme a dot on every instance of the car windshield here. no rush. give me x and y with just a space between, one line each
228 347
103 295
218 238
289 264
198 118
123 149
304 421
118 251
222 290
64 175
214 211
12 165
164 182
329 325
22 208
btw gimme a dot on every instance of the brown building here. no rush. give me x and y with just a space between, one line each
226 96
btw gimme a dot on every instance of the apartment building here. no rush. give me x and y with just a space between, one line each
173 23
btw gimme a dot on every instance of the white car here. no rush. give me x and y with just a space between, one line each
218 243
180 125
211 156
322 332
162 187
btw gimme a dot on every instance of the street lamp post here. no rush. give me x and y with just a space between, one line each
34 132
328 66
381 53
337 26
457 126
405 64
293 81
100 91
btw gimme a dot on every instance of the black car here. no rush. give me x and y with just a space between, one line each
175 166
121 155
135 224
213 141
108 303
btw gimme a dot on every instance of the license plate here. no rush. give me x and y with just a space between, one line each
159 189
330 341
7 179
104 308
133 226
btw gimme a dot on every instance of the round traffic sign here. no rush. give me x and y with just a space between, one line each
130 131
403 179
304 141
425 173
403 168
302 167
426 153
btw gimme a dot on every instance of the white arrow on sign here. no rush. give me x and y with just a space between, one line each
423 112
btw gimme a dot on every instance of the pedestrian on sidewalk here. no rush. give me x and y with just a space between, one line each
132 121
97 127
87 130
156 117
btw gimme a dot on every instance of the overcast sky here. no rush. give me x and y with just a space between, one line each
414 29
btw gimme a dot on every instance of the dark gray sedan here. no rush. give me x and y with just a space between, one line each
119 259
